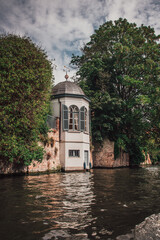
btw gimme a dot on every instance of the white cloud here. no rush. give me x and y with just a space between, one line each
62 26
139 11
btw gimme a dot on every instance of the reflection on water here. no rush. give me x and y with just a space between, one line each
101 204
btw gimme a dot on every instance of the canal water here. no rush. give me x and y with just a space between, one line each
100 204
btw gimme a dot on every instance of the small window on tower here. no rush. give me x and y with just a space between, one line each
74 153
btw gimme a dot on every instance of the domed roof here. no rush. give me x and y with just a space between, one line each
67 87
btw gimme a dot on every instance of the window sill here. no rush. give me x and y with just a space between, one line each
73 157
86 133
72 131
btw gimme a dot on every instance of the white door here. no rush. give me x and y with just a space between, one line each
86 160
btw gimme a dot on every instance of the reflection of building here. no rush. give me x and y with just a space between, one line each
71 107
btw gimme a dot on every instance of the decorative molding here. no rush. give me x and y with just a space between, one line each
70 95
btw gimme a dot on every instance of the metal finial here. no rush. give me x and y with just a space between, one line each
66 70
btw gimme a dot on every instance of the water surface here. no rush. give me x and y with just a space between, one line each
101 204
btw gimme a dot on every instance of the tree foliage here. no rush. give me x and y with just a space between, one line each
120 71
25 81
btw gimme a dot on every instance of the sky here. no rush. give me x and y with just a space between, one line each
62 27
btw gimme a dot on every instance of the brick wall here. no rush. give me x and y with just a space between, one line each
50 160
103 156
51 157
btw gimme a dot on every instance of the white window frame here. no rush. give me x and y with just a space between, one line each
74 120
74 153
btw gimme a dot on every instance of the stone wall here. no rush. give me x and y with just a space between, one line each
50 161
103 156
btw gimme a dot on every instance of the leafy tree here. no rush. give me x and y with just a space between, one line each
25 81
120 71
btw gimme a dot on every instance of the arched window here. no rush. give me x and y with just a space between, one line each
73 118
83 119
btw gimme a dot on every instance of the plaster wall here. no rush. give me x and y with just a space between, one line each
55 108
76 136
62 154
76 163
79 102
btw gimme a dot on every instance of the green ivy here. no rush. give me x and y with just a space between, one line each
25 80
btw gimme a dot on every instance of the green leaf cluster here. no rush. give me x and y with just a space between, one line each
120 71
25 83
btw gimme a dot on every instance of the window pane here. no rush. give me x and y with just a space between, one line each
73 118
71 121
70 153
76 121
74 153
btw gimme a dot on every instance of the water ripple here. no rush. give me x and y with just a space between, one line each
98 205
